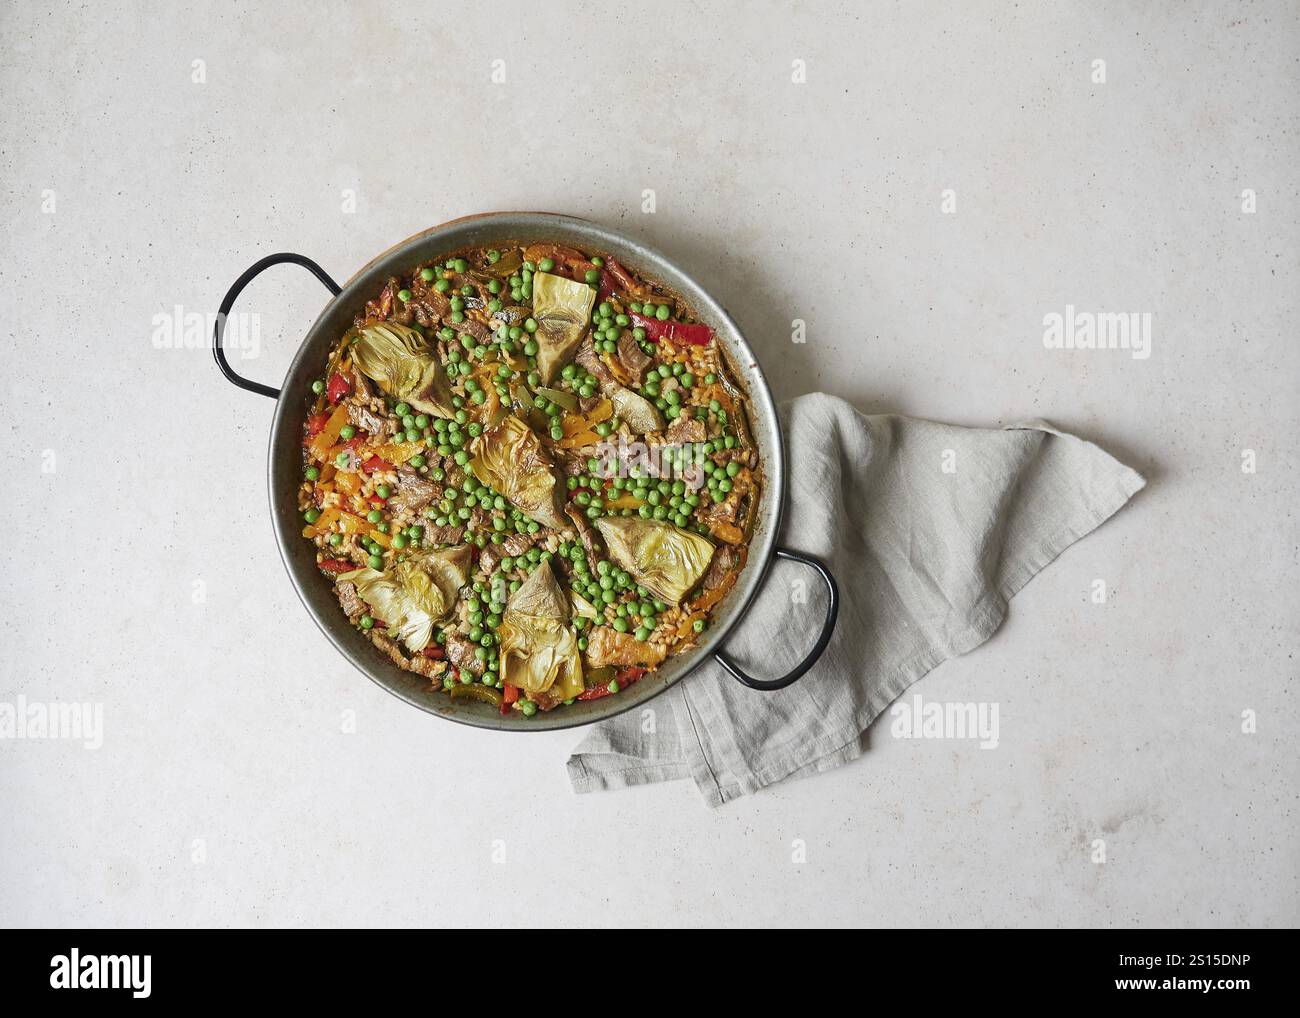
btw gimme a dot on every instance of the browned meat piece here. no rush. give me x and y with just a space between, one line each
460 651
369 422
476 329
590 360
444 535
427 666
389 647
347 595
513 314
490 558
401 309
605 646
361 391
573 465
379 309
548 700
516 544
721 512
686 429
632 357
586 404
724 561
413 493
584 531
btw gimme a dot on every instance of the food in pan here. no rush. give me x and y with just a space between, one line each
529 475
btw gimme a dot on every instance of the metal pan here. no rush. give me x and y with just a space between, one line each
284 465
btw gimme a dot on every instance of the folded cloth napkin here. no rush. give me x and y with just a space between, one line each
929 530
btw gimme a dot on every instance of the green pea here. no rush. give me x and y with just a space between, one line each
592 276
311 473
427 274
375 516
401 410
383 491
366 622
662 312
404 295
546 264
376 562
318 387
527 708
311 515
460 265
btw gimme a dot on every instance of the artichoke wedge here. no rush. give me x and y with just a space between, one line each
416 594
665 559
538 649
511 460
562 310
639 413
405 366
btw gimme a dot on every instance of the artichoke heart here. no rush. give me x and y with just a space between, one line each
665 559
511 460
639 413
416 594
538 649
405 366
562 310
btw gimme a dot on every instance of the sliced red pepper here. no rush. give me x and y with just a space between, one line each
675 332
595 693
620 275
608 286
509 695
338 388
627 676
376 501
316 424
376 463
333 565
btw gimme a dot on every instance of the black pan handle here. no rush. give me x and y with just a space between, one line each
219 329
828 628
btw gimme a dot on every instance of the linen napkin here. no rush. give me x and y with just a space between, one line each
929 530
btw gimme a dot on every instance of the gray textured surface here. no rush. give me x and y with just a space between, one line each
223 718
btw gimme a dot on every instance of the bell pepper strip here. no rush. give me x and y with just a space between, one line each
510 694
622 277
375 463
674 332
316 424
323 441
335 566
337 388
626 676
474 691
608 286
347 483
577 441
597 680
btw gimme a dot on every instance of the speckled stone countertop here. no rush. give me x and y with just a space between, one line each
922 187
